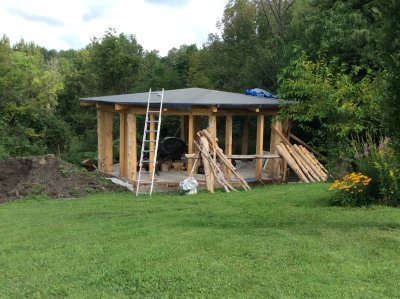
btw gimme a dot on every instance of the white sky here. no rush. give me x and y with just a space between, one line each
66 24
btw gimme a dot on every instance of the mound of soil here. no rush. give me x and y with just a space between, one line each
48 175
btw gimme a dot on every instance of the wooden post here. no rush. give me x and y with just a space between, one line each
228 140
274 166
189 163
212 126
104 140
183 128
152 136
131 146
122 145
245 135
259 145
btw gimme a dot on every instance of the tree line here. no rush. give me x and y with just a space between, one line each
338 60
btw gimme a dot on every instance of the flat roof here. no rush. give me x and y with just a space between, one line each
187 97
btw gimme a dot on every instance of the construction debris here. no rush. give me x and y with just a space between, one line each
216 165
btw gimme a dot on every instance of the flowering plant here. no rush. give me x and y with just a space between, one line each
351 189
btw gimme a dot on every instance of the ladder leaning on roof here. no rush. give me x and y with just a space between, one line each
149 146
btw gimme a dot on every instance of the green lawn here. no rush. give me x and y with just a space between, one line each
277 241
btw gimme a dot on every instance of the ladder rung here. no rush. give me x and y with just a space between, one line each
147 161
150 131
150 140
148 151
156 92
152 121
153 111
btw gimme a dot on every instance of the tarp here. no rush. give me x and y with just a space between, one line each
258 92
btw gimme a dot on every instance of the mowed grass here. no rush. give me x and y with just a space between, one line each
273 242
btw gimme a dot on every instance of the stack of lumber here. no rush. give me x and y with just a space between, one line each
216 165
303 162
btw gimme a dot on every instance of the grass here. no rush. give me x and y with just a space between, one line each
273 242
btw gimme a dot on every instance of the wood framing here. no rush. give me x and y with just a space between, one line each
104 140
228 139
131 147
122 144
259 145
190 142
182 128
245 136
192 106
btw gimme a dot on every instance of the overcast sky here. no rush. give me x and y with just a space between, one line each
66 24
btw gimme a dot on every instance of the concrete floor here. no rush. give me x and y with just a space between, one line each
246 169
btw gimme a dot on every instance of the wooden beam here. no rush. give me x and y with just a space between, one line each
254 109
228 140
104 140
274 167
245 136
122 145
131 144
214 109
259 145
191 133
120 107
183 128
105 107
212 128
86 103
152 136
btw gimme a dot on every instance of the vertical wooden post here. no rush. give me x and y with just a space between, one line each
212 127
122 145
131 146
183 128
190 143
152 136
245 135
104 140
274 164
259 145
228 139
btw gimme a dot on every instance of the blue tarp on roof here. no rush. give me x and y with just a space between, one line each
258 92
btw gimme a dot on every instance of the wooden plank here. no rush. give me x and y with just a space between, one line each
182 128
104 138
105 107
310 166
206 163
259 145
274 166
254 109
228 141
245 136
303 166
131 143
122 145
291 162
214 109
190 142
305 144
212 128
251 157
87 103
121 107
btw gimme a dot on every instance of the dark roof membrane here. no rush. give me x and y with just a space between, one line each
187 97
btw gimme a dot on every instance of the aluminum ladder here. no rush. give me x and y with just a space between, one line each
152 125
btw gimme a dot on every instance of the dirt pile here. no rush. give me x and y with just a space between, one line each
48 175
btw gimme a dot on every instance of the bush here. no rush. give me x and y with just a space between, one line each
378 177
352 190
382 163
